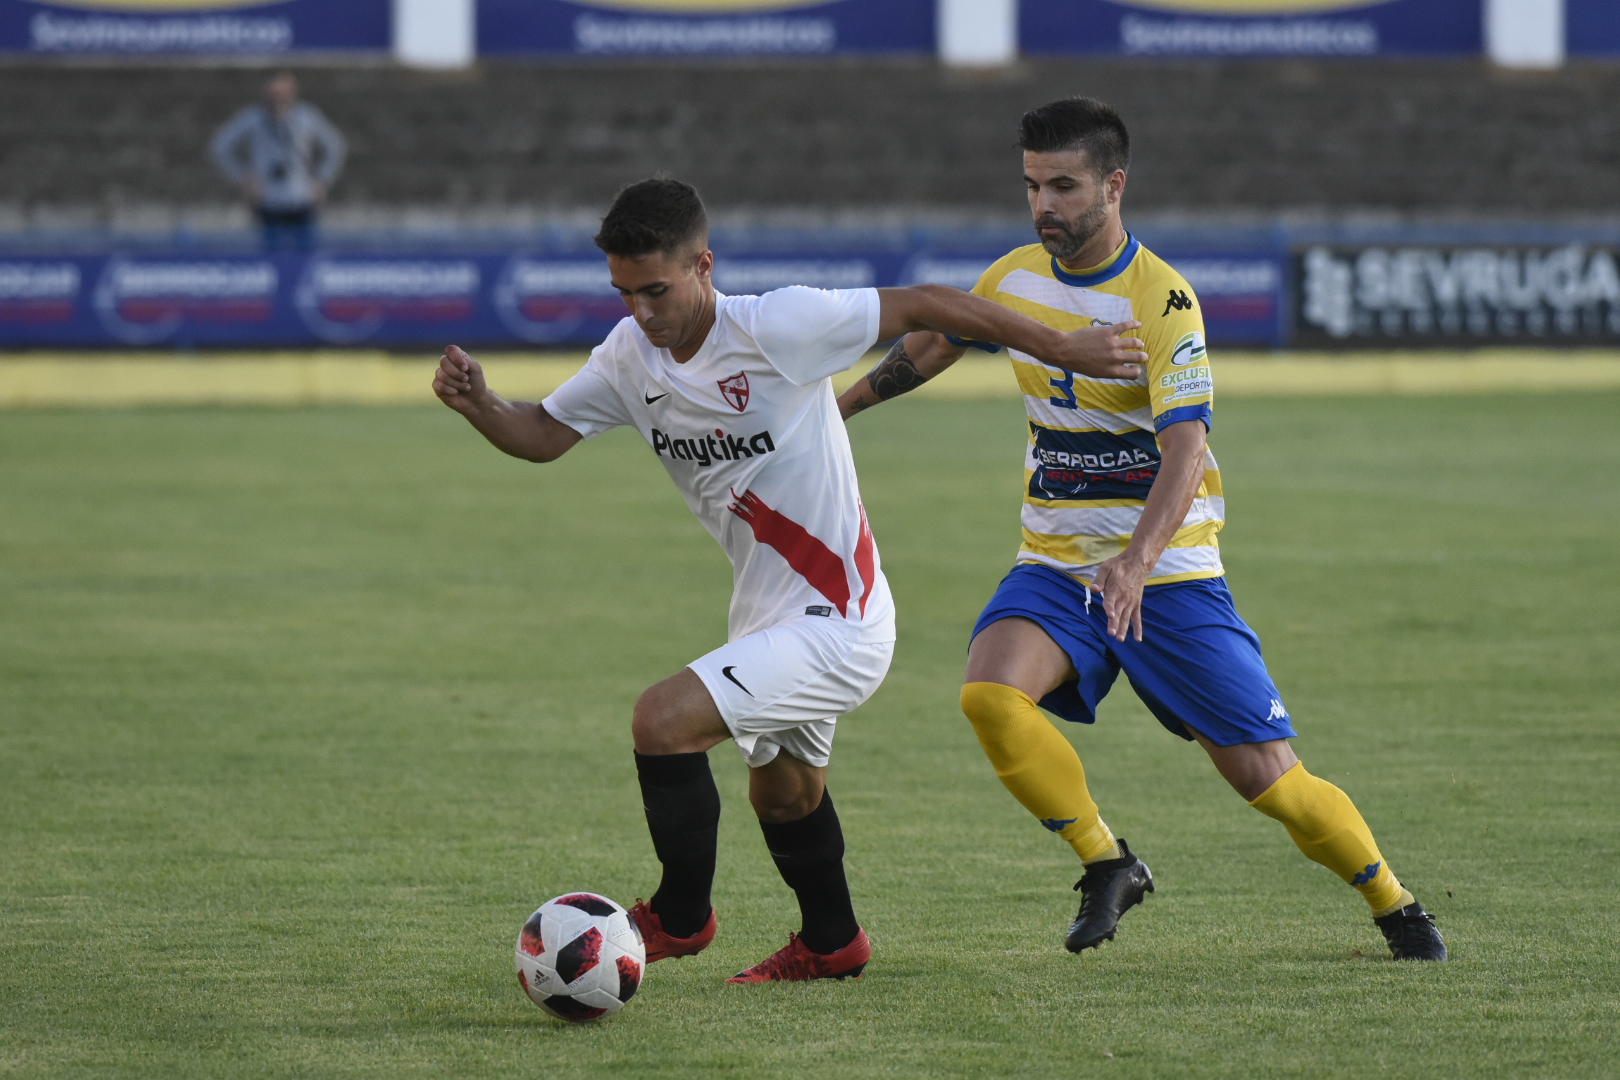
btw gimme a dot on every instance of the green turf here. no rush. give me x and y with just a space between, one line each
302 712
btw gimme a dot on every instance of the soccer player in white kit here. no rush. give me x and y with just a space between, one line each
733 395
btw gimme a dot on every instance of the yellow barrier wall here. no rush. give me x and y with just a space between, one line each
54 380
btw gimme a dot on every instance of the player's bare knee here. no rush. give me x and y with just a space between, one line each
649 737
778 807
786 789
652 725
1251 768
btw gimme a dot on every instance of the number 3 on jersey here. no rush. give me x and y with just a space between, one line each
1065 384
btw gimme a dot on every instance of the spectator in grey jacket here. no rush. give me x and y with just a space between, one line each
284 155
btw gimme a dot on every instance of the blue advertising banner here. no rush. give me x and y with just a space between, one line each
611 28
199 27
1217 28
1592 27
526 298
247 300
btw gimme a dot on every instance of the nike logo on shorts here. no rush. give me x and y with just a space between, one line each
650 400
727 672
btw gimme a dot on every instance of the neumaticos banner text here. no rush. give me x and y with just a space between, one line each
204 27
1252 27
705 27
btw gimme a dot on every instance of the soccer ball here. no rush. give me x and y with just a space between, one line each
580 957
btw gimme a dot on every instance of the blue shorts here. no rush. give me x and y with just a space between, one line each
1197 666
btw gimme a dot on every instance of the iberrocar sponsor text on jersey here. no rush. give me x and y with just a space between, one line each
706 449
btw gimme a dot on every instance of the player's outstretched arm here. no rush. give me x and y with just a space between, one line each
521 428
912 361
1100 352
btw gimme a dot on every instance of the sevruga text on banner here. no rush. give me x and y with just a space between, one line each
1458 296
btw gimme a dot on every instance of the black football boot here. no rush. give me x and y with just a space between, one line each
1109 889
1411 934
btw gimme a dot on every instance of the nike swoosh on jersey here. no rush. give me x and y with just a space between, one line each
650 400
727 672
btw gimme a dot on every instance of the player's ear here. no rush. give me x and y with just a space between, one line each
1115 185
703 265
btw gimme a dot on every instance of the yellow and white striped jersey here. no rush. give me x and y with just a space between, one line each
1093 449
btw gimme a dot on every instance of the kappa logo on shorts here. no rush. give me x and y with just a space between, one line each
1058 824
734 389
1368 874
1277 711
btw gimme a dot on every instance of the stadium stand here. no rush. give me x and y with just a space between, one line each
93 146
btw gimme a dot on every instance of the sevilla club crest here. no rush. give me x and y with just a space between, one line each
735 390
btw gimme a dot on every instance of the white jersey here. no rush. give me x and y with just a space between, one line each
749 430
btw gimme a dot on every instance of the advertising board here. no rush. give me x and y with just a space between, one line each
1458 297
617 28
515 299
245 300
1592 28
200 27
1217 28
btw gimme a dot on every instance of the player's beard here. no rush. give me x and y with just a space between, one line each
1077 233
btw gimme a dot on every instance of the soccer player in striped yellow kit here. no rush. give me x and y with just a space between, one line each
1120 568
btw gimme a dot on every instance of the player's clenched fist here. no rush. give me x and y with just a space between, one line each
1103 351
459 382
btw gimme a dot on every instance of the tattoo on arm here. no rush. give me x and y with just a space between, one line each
895 374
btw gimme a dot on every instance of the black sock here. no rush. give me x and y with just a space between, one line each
809 853
683 815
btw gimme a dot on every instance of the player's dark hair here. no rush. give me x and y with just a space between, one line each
1078 123
651 216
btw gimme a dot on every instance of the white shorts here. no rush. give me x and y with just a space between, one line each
785 688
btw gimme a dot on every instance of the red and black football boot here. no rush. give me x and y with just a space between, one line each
662 946
797 963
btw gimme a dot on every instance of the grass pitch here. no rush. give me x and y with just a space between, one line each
302 712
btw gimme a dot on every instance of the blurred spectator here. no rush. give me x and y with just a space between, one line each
284 155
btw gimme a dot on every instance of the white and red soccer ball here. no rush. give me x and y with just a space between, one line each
580 957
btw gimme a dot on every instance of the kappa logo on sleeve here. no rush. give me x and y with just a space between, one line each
1179 301
734 388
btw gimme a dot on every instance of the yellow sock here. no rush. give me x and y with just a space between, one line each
1038 766
1329 829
